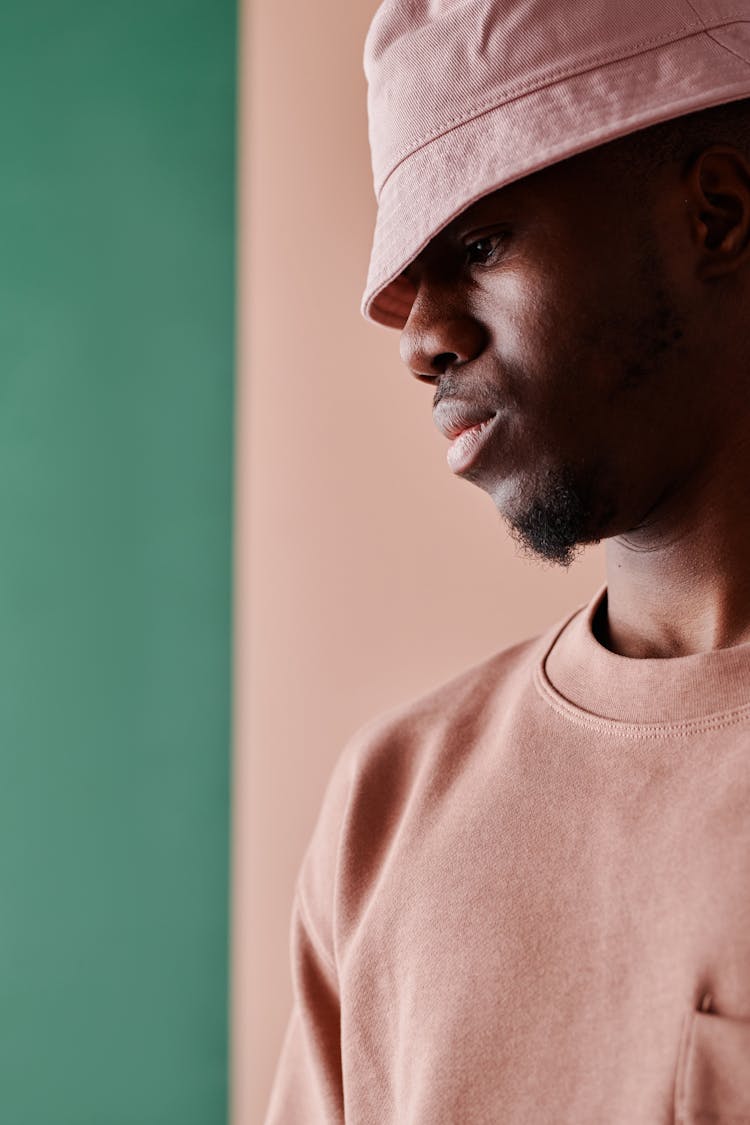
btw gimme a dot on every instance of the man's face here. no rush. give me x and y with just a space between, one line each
558 308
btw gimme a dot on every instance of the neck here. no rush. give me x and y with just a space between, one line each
681 585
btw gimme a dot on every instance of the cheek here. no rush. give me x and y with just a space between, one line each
524 314
549 351
538 309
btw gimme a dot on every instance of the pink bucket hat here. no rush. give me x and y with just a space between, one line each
466 96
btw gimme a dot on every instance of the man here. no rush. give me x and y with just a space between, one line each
527 898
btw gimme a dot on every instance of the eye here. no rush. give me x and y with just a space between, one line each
483 250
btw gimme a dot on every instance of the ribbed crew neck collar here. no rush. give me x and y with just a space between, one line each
706 687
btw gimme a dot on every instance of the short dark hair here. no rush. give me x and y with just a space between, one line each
683 138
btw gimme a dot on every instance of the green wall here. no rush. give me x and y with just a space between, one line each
116 358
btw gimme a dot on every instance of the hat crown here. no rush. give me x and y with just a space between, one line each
434 64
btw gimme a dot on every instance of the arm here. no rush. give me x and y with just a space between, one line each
308 1087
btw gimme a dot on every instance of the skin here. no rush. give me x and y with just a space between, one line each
607 324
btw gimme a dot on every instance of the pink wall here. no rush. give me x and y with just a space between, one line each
366 573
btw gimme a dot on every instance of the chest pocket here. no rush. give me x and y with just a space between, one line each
713 1071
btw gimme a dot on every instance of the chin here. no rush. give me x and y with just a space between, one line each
551 520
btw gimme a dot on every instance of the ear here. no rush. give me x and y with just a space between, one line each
717 192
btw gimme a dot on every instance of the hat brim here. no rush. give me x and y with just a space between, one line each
434 184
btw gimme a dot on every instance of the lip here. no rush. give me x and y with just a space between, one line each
468 429
466 447
453 417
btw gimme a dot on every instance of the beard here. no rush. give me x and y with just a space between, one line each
557 521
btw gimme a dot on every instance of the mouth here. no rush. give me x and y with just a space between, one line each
467 426
468 444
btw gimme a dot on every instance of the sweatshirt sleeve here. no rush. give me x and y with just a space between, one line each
308 1086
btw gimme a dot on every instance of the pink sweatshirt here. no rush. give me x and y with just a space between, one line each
527 901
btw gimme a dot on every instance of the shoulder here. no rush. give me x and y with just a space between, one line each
445 709
391 759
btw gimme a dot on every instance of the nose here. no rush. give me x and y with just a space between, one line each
439 334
